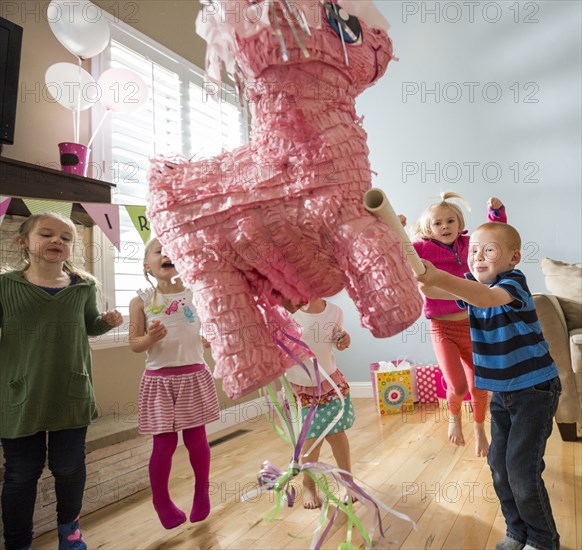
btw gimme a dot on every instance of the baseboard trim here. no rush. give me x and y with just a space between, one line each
241 412
361 389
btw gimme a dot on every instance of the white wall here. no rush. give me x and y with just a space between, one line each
545 53
414 132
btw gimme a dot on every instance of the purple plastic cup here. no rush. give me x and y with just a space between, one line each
74 157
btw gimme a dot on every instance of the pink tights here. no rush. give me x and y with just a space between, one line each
452 345
160 465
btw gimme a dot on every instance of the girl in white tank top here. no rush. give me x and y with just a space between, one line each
177 391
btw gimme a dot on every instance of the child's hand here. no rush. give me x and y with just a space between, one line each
430 276
112 318
342 340
402 219
494 203
157 331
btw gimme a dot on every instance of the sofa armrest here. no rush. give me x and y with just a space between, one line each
556 334
576 353
549 305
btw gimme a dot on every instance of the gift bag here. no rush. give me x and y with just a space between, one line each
425 376
441 391
404 364
392 385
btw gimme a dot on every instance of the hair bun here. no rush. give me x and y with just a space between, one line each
445 195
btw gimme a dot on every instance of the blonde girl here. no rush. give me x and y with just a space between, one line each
48 309
177 392
321 325
440 237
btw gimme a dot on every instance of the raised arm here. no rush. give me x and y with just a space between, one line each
496 210
471 292
435 293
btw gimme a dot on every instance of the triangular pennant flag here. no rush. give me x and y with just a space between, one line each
4 202
106 216
40 206
138 217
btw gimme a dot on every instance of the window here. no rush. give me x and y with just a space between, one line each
178 118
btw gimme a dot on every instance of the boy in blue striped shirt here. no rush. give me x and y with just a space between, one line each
512 360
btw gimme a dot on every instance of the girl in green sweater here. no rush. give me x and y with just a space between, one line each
47 312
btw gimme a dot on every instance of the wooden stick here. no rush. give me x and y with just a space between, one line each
98 126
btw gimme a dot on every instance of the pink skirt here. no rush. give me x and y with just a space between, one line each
176 398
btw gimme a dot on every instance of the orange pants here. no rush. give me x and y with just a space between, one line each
452 344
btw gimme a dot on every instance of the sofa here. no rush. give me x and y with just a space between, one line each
560 315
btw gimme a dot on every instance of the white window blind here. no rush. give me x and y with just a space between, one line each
179 117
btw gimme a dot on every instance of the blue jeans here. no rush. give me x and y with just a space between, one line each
521 422
24 459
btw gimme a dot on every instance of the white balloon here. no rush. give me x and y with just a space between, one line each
72 86
80 26
122 90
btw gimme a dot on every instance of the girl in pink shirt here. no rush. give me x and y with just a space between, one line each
440 237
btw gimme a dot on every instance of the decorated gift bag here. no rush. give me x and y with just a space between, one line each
392 385
441 391
425 377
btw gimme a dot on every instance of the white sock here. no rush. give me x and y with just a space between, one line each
507 543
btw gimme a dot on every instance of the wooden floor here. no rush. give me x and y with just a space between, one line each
406 459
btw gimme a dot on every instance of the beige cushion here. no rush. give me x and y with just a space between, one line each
556 335
565 281
576 353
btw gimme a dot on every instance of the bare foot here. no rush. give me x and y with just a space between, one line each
310 498
345 497
456 431
481 443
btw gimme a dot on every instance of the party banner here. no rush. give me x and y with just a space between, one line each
141 223
106 216
4 202
40 206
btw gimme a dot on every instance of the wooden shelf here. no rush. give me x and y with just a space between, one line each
21 179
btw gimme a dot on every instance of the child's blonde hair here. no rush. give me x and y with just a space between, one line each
421 229
509 235
68 266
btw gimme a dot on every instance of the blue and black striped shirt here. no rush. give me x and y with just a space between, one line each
509 350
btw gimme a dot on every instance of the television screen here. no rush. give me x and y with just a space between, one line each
10 46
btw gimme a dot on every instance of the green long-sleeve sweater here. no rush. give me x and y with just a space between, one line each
45 360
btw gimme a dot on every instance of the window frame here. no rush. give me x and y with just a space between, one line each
105 264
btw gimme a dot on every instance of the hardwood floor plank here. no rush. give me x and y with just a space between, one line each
497 531
473 524
405 459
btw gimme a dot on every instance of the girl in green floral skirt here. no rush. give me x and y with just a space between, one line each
321 329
